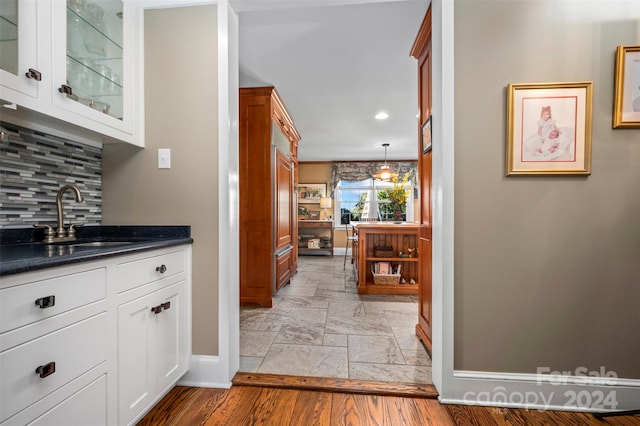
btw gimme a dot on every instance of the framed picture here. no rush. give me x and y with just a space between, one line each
426 136
549 128
311 192
314 214
626 102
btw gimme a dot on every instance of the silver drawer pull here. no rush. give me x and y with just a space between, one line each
162 268
46 302
46 370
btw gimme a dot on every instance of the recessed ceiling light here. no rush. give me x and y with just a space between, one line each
382 116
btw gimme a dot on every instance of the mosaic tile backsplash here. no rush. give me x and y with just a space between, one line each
33 166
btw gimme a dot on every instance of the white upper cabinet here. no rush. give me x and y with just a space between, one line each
19 68
87 54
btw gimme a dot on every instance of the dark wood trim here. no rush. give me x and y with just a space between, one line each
424 36
336 385
426 341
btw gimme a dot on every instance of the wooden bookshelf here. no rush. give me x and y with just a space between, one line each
403 238
319 230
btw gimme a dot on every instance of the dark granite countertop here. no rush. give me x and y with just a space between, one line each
22 251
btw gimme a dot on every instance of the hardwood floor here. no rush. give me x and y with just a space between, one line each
263 405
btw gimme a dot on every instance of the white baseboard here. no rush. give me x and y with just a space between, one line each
205 371
587 393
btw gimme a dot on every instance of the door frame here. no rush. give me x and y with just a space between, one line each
218 371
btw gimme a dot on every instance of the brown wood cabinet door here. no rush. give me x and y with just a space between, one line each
422 52
283 269
294 214
256 195
424 326
284 201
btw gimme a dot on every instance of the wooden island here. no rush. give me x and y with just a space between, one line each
369 255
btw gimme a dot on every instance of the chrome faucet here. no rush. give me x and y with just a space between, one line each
61 232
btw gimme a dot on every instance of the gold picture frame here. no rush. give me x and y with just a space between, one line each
626 102
549 128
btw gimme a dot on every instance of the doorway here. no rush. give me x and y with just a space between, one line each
264 322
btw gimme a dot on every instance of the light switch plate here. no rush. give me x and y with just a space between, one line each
164 158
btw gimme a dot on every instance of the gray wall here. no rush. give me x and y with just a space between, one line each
181 96
546 268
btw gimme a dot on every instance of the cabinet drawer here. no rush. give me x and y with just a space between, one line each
87 407
74 350
18 304
143 271
283 269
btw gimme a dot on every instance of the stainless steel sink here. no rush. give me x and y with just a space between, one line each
100 243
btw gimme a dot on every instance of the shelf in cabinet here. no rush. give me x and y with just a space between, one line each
86 22
371 288
313 251
6 19
111 88
392 259
8 30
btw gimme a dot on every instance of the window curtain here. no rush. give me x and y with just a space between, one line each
360 170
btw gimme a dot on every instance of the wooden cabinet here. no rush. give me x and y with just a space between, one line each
403 239
315 237
283 204
268 171
422 52
73 68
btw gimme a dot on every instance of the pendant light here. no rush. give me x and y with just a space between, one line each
385 173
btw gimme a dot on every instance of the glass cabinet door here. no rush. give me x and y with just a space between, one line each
18 60
9 36
94 55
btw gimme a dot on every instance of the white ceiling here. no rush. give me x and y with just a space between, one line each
336 63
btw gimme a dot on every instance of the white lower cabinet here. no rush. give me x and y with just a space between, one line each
38 367
151 348
87 407
136 352
77 349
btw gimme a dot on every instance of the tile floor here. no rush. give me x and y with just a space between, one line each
319 326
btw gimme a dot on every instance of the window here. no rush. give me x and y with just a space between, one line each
368 199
